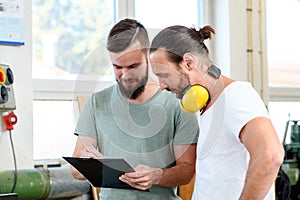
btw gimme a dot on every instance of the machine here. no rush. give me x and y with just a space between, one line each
288 183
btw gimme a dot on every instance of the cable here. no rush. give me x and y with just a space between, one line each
15 163
283 186
10 120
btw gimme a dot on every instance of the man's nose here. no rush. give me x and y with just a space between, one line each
126 73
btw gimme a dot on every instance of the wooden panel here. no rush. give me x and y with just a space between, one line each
81 101
186 191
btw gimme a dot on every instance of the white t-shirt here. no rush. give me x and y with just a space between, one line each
222 160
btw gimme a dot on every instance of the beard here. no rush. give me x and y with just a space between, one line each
183 85
133 93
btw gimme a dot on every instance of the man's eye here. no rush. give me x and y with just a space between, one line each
132 66
118 67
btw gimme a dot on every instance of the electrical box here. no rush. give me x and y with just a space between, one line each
7 96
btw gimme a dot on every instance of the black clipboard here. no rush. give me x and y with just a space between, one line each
103 173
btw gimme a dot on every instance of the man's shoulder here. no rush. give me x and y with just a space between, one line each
167 100
102 96
105 91
168 95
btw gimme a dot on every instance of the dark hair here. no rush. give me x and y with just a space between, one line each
124 33
178 40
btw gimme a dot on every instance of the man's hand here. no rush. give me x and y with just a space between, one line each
85 147
143 178
182 173
90 151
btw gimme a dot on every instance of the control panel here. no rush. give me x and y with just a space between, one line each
7 96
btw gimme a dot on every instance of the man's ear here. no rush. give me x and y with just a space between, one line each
189 61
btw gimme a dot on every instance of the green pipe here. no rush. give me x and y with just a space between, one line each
31 183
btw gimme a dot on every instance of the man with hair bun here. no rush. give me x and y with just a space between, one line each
238 152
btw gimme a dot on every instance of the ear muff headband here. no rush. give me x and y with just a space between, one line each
194 99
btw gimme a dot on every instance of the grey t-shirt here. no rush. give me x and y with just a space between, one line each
140 133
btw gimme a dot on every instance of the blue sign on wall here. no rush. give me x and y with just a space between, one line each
11 22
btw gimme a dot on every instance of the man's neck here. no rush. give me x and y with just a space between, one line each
151 89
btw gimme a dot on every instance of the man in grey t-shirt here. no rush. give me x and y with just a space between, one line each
135 120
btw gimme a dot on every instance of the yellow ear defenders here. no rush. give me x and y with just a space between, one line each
196 97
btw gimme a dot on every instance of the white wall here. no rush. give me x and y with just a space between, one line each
19 58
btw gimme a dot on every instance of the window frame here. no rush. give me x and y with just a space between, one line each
284 93
56 89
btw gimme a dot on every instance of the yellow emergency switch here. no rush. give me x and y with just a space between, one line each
2 76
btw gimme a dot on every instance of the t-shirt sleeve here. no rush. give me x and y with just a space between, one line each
86 122
243 104
186 128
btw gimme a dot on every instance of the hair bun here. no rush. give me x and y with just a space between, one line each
206 32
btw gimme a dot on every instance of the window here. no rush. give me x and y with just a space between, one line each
65 33
282 40
69 59
53 129
283 61
281 112
153 14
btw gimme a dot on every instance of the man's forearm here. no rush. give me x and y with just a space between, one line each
178 175
261 175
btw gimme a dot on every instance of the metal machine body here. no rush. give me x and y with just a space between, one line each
291 163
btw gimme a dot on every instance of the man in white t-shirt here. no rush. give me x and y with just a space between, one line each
238 152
